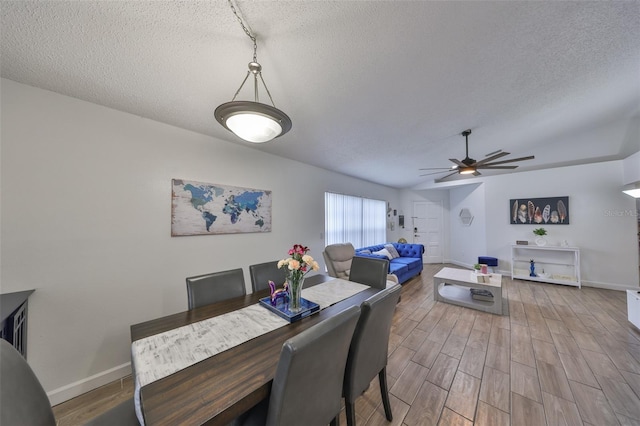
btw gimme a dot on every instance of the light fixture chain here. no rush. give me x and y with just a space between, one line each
247 31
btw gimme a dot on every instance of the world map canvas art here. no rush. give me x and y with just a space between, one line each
204 208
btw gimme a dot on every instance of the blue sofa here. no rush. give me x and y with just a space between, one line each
405 267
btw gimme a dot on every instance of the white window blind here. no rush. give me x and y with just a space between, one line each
359 221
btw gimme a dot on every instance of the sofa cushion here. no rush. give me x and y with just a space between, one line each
383 252
391 249
398 268
409 250
410 262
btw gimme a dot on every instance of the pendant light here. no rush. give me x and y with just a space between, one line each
252 121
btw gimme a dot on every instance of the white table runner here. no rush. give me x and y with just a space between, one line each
161 355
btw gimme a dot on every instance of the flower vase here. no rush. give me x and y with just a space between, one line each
294 288
541 241
532 269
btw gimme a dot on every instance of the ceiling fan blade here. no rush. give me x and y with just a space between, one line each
531 157
444 177
489 159
476 173
457 162
437 168
435 173
491 166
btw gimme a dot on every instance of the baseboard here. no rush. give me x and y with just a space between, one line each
609 286
596 284
74 389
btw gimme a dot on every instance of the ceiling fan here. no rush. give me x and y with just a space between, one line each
470 166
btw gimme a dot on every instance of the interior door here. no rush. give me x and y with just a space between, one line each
427 229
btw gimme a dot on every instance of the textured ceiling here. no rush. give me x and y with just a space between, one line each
375 89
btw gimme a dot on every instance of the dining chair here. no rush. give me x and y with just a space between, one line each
216 287
23 400
263 272
369 349
370 271
306 388
338 257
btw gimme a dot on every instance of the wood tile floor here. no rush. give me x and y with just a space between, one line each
561 356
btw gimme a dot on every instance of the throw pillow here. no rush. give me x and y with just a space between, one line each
383 252
392 250
365 251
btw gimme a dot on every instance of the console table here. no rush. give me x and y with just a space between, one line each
13 315
561 265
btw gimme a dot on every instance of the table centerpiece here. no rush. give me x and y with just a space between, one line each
297 266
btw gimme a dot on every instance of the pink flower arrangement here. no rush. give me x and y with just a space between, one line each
299 263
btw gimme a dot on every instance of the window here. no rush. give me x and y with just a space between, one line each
359 221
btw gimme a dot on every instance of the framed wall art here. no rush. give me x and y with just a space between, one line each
205 208
537 211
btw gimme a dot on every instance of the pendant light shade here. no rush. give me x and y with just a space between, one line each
253 121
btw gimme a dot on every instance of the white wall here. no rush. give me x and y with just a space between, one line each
631 168
468 242
603 219
86 209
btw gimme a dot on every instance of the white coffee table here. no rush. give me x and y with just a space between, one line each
453 286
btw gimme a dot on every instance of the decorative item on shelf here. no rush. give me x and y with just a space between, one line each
476 268
540 240
532 269
402 241
298 265
280 293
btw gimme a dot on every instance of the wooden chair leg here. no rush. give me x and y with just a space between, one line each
382 375
350 410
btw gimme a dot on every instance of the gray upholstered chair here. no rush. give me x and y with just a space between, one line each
338 257
23 401
369 271
368 352
263 272
216 287
307 385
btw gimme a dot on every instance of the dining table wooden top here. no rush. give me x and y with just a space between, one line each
220 388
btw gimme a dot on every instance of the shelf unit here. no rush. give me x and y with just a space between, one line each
560 264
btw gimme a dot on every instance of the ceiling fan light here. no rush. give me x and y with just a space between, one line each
253 121
466 170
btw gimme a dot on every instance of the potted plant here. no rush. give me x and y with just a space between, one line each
540 233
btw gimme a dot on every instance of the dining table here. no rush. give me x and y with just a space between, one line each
221 387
